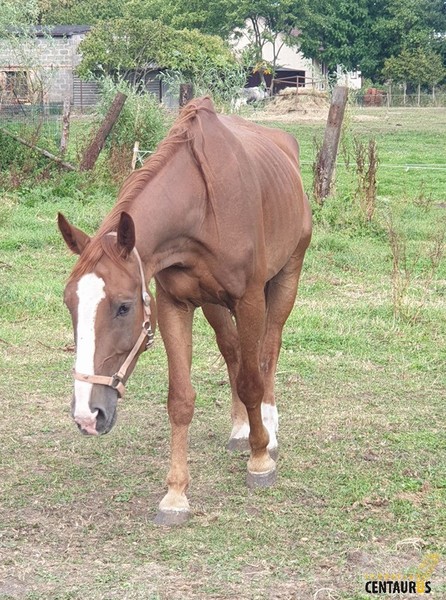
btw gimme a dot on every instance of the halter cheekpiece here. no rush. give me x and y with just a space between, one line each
116 381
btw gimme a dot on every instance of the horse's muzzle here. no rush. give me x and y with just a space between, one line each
103 406
87 427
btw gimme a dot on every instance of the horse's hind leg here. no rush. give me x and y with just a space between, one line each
221 321
280 297
250 314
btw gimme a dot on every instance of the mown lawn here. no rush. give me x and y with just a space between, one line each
361 390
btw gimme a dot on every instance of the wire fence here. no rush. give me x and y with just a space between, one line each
41 124
33 122
391 100
401 167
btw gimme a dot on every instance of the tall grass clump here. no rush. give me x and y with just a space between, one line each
413 271
17 160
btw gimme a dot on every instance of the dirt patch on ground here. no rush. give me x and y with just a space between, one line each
308 105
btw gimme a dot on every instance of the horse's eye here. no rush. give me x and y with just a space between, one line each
123 310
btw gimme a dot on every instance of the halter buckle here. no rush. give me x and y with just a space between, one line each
115 381
146 299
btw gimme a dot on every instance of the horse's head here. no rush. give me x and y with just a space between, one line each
112 320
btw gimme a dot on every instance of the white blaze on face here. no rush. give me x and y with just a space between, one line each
90 291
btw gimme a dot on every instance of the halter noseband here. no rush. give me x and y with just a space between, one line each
116 380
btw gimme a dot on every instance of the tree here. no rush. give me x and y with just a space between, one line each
214 17
416 67
262 21
335 32
434 69
364 33
267 22
131 47
78 12
13 14
353 33
398 68
121 45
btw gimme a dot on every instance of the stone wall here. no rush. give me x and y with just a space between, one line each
49 62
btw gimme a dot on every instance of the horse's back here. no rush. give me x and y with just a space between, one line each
286 215
283 140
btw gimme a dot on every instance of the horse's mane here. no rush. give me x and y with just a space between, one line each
101 243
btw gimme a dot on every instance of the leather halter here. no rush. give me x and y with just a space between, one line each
116 381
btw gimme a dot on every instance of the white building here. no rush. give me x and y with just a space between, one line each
291 65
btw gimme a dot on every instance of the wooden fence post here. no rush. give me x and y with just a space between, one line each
135 155
65 125
326 158
92 152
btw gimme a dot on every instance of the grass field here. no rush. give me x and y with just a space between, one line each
361 389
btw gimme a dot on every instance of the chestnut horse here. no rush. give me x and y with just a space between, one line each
219 218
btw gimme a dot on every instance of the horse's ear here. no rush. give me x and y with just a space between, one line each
75 239
126 234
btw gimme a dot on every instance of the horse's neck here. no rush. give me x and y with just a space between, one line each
168 215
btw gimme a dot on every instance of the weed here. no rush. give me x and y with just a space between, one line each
366 169
317 173
401 272
405 270
422 199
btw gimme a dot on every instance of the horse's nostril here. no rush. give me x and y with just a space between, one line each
103 405
101 420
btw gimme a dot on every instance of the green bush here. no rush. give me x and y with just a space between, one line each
142 119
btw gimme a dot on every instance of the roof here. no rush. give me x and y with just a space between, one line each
289 69
61 30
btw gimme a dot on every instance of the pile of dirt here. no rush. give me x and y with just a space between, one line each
309 105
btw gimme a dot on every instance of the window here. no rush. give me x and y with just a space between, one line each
14 86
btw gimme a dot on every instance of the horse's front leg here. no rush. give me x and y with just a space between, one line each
250 314
175 324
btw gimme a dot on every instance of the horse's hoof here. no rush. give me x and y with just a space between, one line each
171 518
274 453
238 445
261 480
